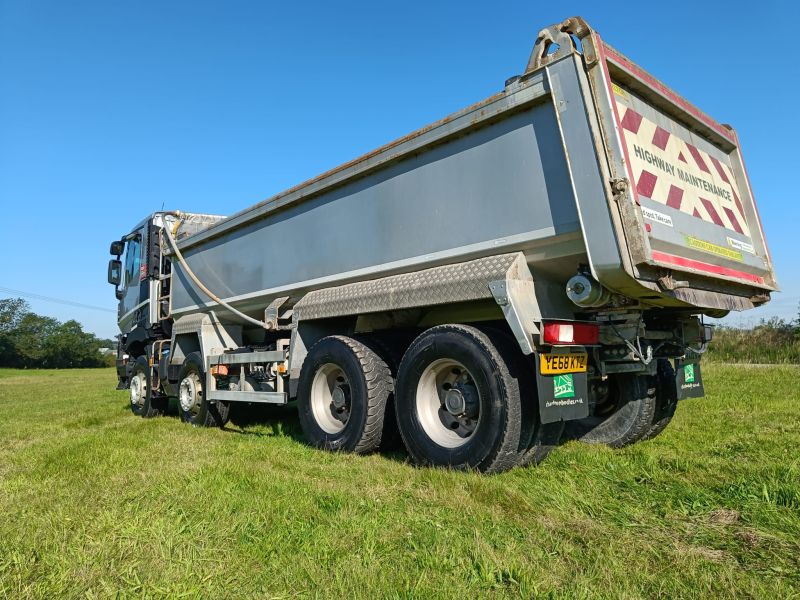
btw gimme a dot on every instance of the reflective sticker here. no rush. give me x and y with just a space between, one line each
619 91
698 244
563 386
669 169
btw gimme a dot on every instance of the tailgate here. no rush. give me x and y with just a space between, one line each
696 210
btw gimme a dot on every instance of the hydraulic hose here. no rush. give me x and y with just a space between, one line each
196 280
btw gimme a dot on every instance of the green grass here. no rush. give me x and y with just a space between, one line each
95 502
775 342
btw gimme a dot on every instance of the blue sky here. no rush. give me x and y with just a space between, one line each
109 110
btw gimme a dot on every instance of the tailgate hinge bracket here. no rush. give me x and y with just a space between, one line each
619 188
557 41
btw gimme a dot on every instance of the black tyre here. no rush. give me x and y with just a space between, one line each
154 406
391 352
537 439
624 418
138 385
666 398
342 395
192 404
458 405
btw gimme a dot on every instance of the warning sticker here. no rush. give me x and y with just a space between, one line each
698 244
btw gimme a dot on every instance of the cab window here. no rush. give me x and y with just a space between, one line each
132 260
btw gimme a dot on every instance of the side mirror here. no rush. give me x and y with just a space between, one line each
117 248
114 272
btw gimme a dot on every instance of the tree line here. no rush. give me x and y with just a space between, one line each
31 341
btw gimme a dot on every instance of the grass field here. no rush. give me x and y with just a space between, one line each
95 502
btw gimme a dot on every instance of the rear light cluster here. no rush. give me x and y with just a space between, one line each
566 333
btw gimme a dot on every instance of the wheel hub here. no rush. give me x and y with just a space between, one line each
188 394
454 402
137 389
330 398
340 403
448 403
339 398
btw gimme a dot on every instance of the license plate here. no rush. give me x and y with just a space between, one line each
556 364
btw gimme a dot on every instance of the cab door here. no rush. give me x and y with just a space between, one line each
133 304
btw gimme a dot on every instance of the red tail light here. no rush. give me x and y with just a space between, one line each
563 333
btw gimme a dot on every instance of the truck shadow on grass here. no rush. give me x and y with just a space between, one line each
269 420
252 419
266 421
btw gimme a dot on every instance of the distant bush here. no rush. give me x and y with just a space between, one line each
31 341
771 341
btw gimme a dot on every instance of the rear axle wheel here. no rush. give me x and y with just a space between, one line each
342 395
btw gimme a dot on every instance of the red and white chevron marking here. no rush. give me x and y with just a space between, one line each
670 170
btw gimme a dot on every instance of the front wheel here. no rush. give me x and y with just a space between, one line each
193 406
457 403
138 386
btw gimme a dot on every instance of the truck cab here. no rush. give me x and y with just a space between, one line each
141 274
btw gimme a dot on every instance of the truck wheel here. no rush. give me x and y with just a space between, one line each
546 439
154 407
666 398
391 354
537 439
457 403
625 418
342 394
138 386
192 404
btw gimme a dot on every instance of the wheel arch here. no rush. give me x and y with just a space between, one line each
202 333
498 287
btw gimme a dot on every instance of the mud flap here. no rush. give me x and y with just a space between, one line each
689 379
562 397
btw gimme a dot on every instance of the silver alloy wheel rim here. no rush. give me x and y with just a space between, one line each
138 390
327 393
190 394
436 403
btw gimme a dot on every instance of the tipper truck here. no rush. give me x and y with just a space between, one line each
540 261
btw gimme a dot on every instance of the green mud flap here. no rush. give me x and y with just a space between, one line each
689 379
562 397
